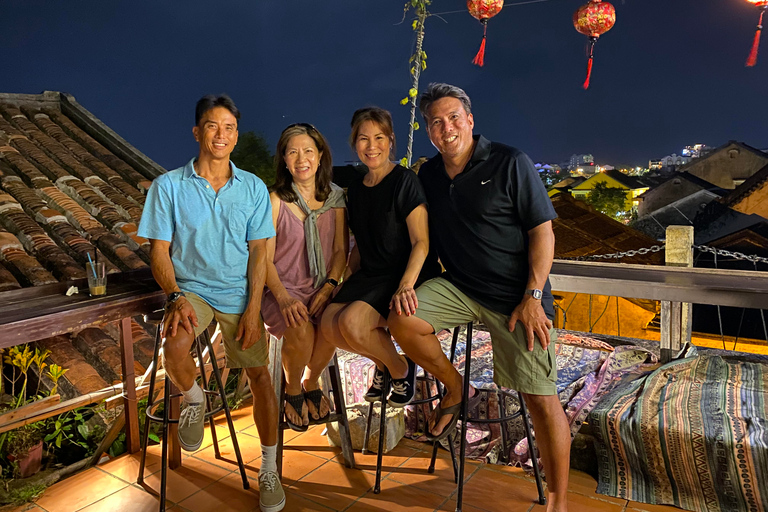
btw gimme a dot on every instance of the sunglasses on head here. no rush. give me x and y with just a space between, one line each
303 125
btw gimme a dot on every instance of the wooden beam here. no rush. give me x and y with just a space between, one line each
132 441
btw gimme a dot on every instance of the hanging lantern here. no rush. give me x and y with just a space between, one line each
762 4
483 10
594 19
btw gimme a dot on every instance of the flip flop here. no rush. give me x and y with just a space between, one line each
297 402
316 397
455 412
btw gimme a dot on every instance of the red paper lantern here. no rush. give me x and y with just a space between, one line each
762 4
483 10
593 20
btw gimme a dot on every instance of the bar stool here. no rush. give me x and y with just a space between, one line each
338 414
465 420
429 399
201 343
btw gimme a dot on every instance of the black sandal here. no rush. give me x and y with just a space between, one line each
316 397
297 402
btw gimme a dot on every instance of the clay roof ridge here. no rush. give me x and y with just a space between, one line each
23 267
625 179
720 148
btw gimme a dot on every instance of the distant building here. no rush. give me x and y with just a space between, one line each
581 161
614 179
554 168
674 188
655 165
729 165
696 151
674 161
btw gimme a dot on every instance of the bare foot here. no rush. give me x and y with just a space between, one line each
325 408
294 416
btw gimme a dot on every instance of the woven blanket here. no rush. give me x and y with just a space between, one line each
578 358
693 433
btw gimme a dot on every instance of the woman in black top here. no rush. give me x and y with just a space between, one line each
388 216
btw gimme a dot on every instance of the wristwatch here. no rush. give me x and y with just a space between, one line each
332 282
535 293
173 297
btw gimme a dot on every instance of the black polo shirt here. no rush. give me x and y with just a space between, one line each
479 223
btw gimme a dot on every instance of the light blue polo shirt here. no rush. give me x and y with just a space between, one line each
209 232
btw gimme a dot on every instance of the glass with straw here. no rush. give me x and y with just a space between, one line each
97 276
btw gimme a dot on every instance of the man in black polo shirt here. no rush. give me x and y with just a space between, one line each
490 221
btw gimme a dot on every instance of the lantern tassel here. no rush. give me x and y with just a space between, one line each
752 60
479 59
591 54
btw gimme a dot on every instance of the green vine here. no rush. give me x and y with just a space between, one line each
417 63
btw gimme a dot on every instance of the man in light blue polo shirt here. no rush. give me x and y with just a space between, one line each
208 223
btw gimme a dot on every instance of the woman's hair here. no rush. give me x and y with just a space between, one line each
379 116
283 178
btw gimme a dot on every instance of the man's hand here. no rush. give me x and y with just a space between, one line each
535 322
404 300
320 300
179 312
293 310
249 328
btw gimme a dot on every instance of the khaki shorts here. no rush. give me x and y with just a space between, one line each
444 306
257 355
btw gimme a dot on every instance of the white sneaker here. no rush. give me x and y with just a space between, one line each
271 494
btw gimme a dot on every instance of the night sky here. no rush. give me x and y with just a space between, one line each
670 73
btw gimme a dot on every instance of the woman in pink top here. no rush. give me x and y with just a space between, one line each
305 261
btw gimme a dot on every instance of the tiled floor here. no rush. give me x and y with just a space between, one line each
315 479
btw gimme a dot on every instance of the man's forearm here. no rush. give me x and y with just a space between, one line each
257 275
541 252
162 270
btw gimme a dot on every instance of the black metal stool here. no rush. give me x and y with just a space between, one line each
338 415
201 343
459 475
426 378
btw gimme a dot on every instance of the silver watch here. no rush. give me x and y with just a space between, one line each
535 293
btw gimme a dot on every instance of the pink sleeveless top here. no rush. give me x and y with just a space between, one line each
292 262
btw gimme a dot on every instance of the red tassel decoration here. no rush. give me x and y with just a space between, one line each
752 60
591 54
479 59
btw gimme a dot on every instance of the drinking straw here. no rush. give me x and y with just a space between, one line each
93 267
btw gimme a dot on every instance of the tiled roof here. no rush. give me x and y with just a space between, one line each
743 190
625 179
580 230
69 188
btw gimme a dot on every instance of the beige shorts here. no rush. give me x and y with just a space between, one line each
257 355
444 306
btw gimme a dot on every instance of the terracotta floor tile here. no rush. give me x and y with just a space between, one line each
390 461
414 472
222 432
193 476
126 467
224 495
250 450
450 506
242 418
583 483
312 441
580 503
416 445
647 507
297 465
333 485
297 503
128 499
79 491
396 497
508 495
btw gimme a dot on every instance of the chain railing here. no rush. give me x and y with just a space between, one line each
656 248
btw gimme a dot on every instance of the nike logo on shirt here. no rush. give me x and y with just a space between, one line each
485 182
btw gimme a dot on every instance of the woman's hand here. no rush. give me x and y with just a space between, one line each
404 300
293 310
320 300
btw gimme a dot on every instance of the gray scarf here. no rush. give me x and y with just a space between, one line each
312 236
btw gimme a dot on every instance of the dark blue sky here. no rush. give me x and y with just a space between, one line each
670 73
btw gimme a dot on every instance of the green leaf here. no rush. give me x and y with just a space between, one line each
84 430
58 441
58 424
78 416
49 437
153 437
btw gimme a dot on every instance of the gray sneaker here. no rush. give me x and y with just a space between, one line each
271 494
192 426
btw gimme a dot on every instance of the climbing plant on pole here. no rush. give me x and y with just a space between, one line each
417 63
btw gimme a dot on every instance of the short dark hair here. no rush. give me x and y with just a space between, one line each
210 101
436 91
377 115
283 178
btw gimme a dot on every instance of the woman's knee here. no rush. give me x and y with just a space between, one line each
354 328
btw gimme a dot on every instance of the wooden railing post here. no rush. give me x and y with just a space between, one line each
676 317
